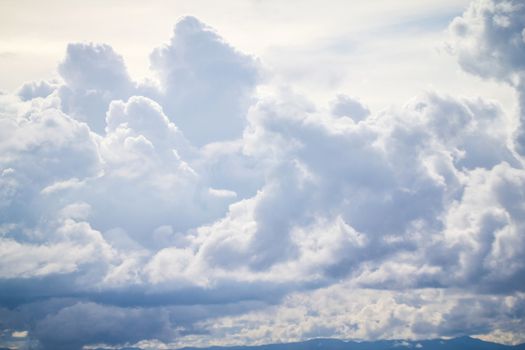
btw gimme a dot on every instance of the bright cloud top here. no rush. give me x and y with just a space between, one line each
196 211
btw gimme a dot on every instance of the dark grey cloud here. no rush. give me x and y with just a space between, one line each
72 326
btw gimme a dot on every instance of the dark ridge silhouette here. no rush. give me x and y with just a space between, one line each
461 343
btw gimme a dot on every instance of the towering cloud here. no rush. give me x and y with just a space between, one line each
94 75
206 83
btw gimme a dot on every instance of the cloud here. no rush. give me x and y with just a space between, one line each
72 325
206 83
488 42
345 106
41 146
94 75
365 313
490 212
488 39
201 210
31 90
203 82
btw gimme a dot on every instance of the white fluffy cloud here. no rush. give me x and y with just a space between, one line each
198 210
488 40
206 84
94 75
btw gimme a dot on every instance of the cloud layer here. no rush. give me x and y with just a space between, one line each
196 211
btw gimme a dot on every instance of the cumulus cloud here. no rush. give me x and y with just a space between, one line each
200 211
94 75
488 41
41 146
346 106
206 83
32 90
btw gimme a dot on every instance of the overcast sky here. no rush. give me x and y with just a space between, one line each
242 172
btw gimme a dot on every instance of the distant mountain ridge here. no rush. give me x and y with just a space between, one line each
461 343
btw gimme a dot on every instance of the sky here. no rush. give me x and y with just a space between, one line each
194 173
